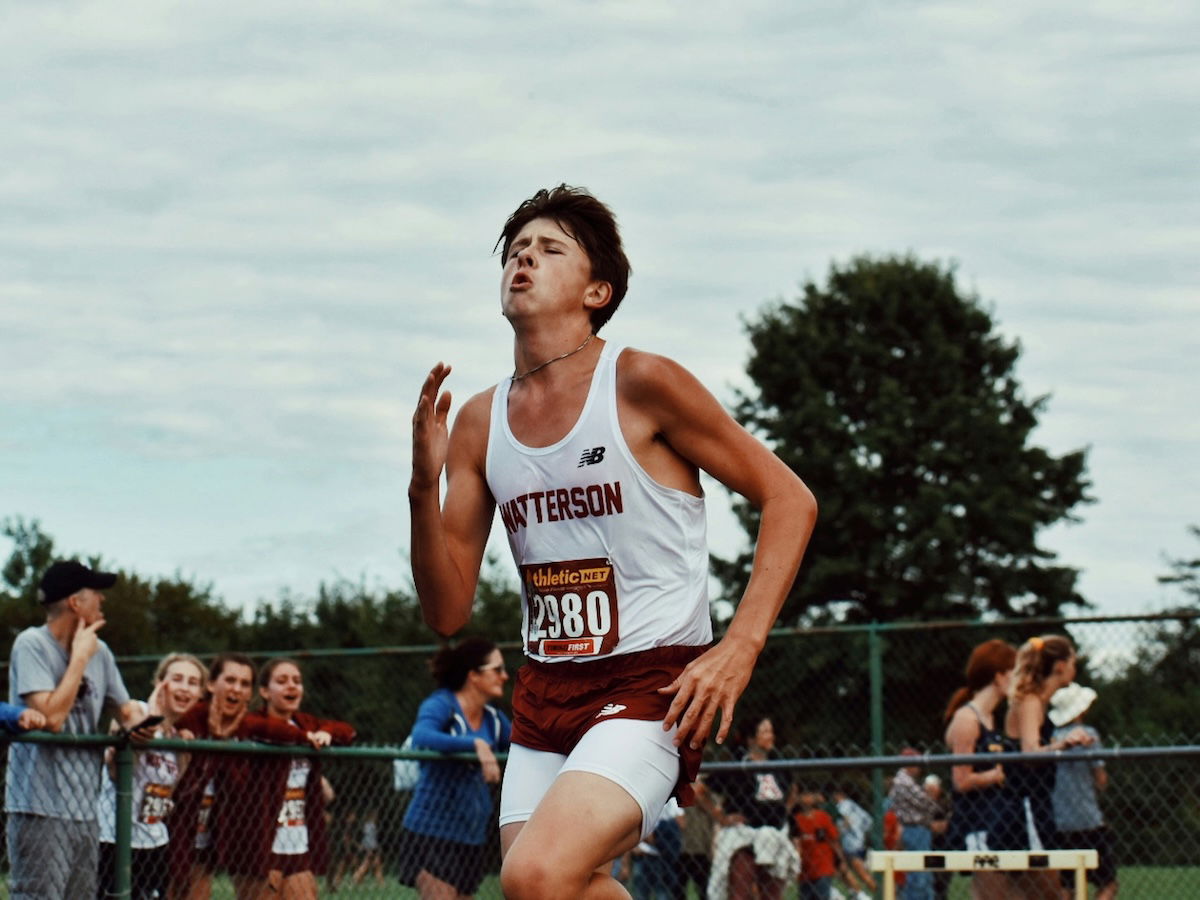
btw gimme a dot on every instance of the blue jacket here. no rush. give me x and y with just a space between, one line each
9 713
451 800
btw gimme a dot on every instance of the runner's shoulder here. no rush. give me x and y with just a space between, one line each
644 374
476 413
469 438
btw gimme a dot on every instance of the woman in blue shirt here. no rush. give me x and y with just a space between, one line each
451 808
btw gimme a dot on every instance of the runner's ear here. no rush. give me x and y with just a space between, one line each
597 295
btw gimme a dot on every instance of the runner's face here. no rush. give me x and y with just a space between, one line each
284 690
491 676
231 690
180 687
546 270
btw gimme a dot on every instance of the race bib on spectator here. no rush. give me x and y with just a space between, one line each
291 814
156 803
571 608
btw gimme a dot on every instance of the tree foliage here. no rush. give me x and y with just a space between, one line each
33 551
888 391
1185 573
141 615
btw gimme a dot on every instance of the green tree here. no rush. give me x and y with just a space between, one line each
159 615
1154 701
1185 573
889 392
142 615
32 553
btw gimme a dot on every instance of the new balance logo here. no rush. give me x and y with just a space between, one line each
591 457
610 708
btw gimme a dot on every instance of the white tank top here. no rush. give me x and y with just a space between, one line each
610 560
155 773
291 832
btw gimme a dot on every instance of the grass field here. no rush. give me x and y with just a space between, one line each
1137 883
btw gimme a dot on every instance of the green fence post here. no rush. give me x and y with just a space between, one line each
124 821
875 656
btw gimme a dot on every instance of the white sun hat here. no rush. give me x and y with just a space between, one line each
1070 702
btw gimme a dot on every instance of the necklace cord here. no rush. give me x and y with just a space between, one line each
540 366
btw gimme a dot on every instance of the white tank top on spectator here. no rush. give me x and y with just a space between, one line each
154 775
610 560
291 837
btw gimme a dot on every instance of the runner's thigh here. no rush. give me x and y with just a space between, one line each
637 755
528 774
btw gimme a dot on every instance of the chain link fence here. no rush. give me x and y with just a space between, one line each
843 703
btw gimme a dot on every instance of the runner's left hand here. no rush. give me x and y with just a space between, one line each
712 681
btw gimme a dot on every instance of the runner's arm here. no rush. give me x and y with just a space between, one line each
448 539
695 425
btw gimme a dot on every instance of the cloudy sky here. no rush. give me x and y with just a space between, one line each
234 237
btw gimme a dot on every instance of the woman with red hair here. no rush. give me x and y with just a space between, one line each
987 814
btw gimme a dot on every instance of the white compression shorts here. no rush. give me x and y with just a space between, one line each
638 755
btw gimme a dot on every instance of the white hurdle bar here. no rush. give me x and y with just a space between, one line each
892 861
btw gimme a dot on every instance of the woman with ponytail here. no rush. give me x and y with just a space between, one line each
987 813
1044 664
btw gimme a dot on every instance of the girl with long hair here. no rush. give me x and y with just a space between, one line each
179 681
1044 664
284 841
987 812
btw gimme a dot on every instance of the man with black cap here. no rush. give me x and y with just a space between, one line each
67 673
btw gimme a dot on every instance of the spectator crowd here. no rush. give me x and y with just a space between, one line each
263 820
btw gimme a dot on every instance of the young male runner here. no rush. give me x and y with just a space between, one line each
592 454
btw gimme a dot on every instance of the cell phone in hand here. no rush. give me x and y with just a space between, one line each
148 722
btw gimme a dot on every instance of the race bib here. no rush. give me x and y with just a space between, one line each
292 812
156 803
571 608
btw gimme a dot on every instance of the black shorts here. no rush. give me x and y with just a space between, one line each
1098 839
290 863
459 865
148 872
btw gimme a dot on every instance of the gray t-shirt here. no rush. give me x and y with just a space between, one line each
61 782
1075 804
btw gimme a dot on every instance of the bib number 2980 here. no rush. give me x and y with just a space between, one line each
571 608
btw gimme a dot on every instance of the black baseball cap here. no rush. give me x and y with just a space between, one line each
65 577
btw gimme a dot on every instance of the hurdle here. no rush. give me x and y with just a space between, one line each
889 862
